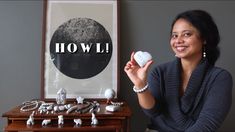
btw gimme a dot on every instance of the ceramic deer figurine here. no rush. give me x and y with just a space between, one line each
30 121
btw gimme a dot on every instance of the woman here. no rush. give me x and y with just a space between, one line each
189 93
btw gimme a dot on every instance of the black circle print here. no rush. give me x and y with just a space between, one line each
81 48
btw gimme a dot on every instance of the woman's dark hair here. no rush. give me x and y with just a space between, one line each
207 28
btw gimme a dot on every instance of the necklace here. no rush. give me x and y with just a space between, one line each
29 106
117 103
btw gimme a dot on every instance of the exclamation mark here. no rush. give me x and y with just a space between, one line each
107 47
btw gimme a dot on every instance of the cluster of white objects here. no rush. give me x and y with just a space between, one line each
61 106
78 121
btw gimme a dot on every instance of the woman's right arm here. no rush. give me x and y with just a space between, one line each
138 76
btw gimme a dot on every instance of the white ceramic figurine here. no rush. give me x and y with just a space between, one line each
94 120
46 122
78 122
60 120
30 121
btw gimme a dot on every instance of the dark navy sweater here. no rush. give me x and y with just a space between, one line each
204 105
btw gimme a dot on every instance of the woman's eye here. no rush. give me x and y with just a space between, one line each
174 36
187 34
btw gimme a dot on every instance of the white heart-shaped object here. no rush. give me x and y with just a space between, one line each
142 58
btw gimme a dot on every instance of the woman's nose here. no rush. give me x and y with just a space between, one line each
179 39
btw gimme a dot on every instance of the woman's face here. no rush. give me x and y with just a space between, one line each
185 40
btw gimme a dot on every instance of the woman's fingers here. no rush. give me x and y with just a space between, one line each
148 64
128 65
126 68
132 56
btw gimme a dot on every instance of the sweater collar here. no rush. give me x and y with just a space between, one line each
186 102
194 85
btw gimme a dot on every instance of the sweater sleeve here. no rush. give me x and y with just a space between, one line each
154 87
217 104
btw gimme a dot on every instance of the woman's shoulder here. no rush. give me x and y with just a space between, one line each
219 81
219 77
219 72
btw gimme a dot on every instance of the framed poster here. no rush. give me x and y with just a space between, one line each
80 48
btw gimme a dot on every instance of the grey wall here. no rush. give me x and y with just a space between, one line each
20 50
145 25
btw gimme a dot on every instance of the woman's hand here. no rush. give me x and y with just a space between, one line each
137 74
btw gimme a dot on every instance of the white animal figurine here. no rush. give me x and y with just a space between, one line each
30 121
78 122
60 120
46 122
94 121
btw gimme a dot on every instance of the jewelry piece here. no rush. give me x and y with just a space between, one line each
61 108
68 106
95 107
29 106
204 52
50 107
56 108
72 109
85 108
117 103
45 107
138 90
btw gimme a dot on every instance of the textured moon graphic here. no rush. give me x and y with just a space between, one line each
81 65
